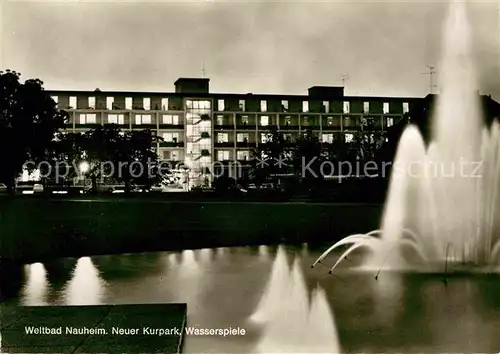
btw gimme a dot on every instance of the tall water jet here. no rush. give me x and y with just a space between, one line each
457 131
295 325
276 290
448 214
324 337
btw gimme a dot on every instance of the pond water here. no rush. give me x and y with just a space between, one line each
282 303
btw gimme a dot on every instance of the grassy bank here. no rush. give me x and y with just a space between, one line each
37 228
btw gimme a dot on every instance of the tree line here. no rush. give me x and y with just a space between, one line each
31 136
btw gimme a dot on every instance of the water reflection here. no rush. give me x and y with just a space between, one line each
86 286
387 291
264 251
59 271
305 250
294 306
205 255
447 305
35 290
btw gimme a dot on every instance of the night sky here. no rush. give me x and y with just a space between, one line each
261 47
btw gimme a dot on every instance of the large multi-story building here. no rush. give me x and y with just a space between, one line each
206 130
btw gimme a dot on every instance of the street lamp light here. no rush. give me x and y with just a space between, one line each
84 167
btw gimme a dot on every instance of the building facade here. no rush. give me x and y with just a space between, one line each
205 130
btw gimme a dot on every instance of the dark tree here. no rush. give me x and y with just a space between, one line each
103 153
68 156
140 161
272 158
29 119
308 158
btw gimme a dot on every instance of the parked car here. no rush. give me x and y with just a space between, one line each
38 188
158 188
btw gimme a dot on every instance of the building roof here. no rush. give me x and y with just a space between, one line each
220 95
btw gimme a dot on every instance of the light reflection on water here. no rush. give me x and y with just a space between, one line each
36 288
86 287
223 288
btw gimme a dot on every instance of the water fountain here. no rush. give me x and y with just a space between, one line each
277 289
443 205
292 323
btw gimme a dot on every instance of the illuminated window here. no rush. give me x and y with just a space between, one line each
172 119
194 104
385 108
287 137
88 118
143 119
116 119
288 120
146 103
220 105
220 120
244 120
329 121
349 138
55 99
347 107
241 104
305 106
92 102
366 107
263 138
222 137
72 102
326 106
263 106
128 102
284 105
390 122
109 102
171 137
327 138
264 121
242 137
164 104
406 107
243 155
222 155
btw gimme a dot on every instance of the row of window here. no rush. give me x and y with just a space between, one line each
305 106
172 119
196 104
91 118
245 137
222 138
224 155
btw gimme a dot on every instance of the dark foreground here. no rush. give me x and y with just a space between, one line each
102 319
37 229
